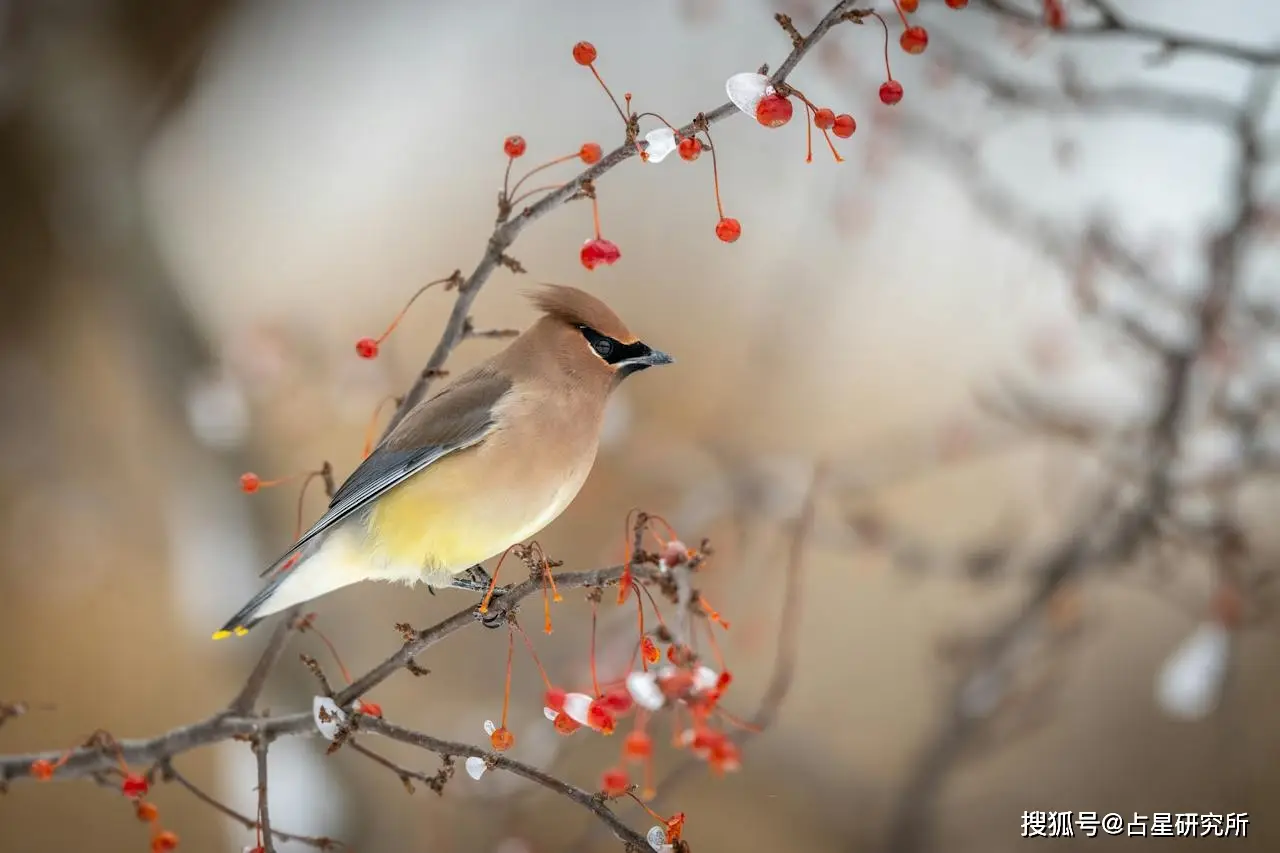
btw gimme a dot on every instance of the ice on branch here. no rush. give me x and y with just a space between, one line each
746 90
661 142
329 718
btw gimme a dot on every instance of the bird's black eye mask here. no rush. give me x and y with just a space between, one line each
610 349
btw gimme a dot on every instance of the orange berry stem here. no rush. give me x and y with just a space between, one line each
595 683
493 582
595 214
412 299
887 71
302 494
738 722
311 626
533 654
616 105
715 175
506 177
901 14
831 145
637 653
659 818
670 530
547 165
713 615
542 189
715 645
654 603
669 125
808 132
547 580
370 430
506 692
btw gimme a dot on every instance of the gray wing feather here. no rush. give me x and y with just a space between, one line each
457 418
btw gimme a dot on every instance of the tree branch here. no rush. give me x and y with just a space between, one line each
507 230
594 803
1112 24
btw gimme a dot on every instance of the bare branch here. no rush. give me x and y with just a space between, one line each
594 803
169 773
504 235
1112 24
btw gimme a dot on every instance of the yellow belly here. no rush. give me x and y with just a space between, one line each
427 526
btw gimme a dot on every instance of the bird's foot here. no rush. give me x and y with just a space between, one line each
474 579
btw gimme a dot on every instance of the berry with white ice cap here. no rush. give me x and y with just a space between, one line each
746 90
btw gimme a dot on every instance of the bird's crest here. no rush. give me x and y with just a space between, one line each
576 307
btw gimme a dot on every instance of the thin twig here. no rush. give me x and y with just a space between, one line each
248 695
261 745
504 235
593 803
319 842
1112 24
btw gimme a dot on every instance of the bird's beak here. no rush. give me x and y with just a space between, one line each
652 358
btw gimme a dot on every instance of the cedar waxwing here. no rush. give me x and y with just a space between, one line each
484 464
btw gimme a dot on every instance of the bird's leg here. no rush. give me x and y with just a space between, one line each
474 579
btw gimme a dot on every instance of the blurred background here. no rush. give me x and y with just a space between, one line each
204 203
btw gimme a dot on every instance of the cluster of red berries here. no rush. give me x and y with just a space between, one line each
132 785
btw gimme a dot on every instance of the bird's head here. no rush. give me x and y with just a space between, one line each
590 336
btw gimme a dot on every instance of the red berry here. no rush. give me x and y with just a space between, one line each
502 739
370 709
614 782
249 483
554 699
649 650
1055 17
146 812
599 718
42 769
914 40
637 746
909 6
690 148
844 126
590 153
163 842
774 110
134 786
565 724
957 4
514 146
584 53
823 118
618 702
728 229
599 251
367 348
890 92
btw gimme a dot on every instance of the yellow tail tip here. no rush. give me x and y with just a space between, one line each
239 631
221 635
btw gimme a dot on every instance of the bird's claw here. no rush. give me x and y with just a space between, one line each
495 616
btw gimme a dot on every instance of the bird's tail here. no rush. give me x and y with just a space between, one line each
328 568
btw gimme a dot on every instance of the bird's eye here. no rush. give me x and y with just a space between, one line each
604 346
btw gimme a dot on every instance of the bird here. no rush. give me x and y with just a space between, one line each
483 464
